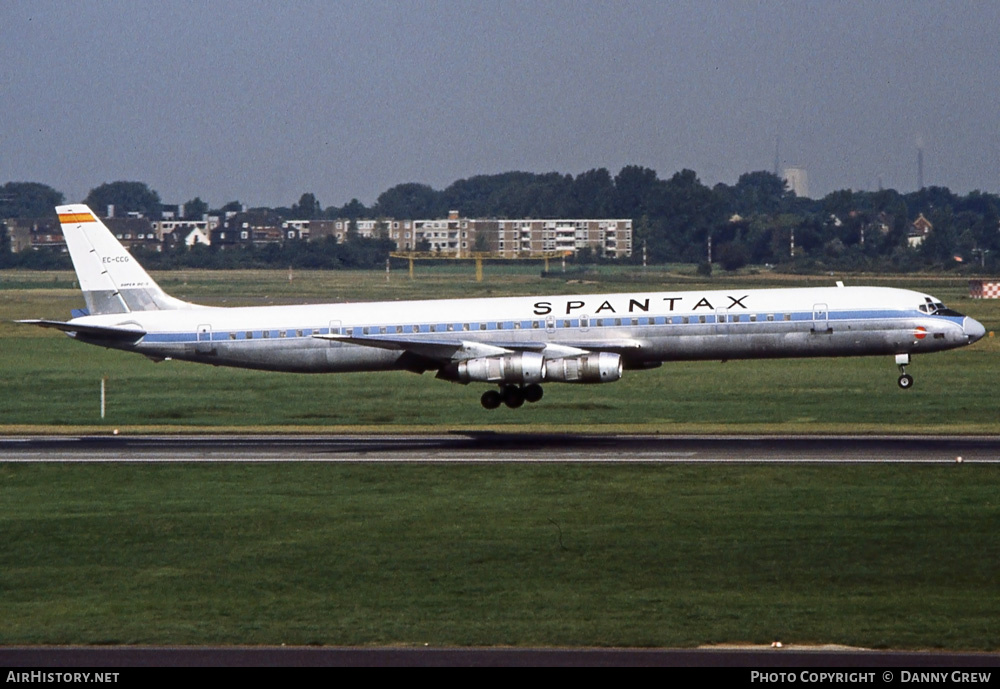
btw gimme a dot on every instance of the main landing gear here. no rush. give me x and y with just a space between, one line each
512 395
905 379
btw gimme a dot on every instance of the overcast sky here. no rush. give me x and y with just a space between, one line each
262 101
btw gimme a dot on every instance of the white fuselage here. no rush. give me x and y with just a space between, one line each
644 328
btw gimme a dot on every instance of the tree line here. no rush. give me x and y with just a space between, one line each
752 222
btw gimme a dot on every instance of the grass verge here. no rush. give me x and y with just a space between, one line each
873 556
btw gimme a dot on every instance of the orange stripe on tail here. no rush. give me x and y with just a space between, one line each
70 218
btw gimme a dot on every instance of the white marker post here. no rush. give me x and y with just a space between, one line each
102 397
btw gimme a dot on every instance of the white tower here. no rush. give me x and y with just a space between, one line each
798 181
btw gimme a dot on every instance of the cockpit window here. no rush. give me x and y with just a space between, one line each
945 311
936 308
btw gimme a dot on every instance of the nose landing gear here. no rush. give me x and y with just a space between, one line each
905 381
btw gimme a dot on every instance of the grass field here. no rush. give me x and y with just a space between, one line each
889 557
564 555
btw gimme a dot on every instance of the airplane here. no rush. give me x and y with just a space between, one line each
514 343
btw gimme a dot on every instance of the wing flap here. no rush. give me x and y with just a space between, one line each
436 349
619 346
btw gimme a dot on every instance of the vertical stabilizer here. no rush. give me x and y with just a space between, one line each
112 281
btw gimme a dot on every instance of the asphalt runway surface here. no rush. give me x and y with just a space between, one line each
486 447
479 447
125 657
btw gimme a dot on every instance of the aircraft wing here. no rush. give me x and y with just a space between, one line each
442 349
620 346
447 350
91 332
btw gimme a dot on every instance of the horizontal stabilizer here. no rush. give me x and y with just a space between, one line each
91 332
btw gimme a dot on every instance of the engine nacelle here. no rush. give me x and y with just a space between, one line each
521 368
603 367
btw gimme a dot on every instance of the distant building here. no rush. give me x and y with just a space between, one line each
919 229
452 236
798 181
248 228
27 234
186 235
166 226
296 229
606 237
321 229
459 237
133 232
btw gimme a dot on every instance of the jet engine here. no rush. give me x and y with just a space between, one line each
520 368
604 367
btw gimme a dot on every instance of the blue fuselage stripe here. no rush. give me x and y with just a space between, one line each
541 323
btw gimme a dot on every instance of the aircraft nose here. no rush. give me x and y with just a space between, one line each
974 330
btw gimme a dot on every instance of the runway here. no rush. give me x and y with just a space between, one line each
487 447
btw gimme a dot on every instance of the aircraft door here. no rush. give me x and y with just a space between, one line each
821 319
335 328
204 343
